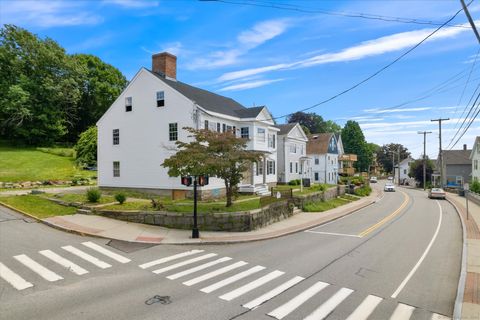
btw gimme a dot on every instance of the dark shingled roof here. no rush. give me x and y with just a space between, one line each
457 157
211 101
285 128
318 143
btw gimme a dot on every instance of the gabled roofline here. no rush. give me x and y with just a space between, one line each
476 144
121 93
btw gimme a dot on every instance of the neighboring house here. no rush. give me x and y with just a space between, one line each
323 149
457 167
292 147
341 151
475 158
138 132
404 169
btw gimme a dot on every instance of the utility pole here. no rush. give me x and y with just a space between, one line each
440 154
393 164
469 17
424 157
398 165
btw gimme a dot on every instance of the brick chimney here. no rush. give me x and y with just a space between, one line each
165 64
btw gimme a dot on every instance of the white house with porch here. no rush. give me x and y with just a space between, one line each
138 132
323 149
293 163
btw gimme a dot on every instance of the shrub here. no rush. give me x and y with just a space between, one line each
295 182
86 148
475 186
318 187
120 197
363 191
93 195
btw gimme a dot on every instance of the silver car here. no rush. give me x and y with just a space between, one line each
389 187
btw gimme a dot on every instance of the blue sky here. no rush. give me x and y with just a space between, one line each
287 59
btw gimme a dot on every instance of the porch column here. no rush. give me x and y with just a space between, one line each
264 169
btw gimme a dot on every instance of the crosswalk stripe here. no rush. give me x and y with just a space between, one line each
437 316
63 262
85 256
366 308
327 307
14 279
273 293
215 273
232 279
198 268
402 312
106 252
251 285
170 258
184 263
293 304
38 268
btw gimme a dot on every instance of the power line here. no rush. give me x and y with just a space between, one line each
304 9
375 73
470 20
468 80
472 119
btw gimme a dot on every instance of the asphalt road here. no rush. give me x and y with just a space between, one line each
399 257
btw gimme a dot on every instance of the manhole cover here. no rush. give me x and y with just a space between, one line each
128 247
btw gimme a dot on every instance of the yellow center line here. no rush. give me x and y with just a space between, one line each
387 218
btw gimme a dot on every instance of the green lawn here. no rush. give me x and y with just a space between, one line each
19 164
203 207
81 197
37 206
320 206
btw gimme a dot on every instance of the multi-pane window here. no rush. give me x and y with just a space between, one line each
475 164
116 168
293 148
173 131
244 133
116 136
160 99
224 127
317 160
291 167
206 124
271 167
128 104
271 141
296 167
218 126
259 168
261 134
229 129
316 176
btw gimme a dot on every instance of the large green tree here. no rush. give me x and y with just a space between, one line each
416 170
47 95
385 157
101 84
39 87
219 154
313 122
86 148
354 142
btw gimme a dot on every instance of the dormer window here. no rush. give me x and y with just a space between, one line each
128 104
160 99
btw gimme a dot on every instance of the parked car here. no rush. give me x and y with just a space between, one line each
436 193
373 180
390 178
389 187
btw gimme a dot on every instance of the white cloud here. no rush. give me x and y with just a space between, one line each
245 41
47 13
378 111
132 4
249 85
375 47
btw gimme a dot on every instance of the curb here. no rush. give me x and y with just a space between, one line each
457 310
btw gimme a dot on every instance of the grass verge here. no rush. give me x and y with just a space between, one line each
37 206
320 206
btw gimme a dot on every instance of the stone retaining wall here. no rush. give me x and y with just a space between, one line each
229 221
326 195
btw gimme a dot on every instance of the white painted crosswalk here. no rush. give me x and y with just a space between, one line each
228 276
20 270
254 287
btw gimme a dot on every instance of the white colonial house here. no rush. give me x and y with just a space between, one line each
138 132
323 149
293 163
475 157
404 169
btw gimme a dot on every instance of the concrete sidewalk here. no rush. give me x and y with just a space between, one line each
471 297
134 232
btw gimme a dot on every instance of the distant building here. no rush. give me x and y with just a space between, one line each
475 158
457 167
291 153
323 149
404 169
